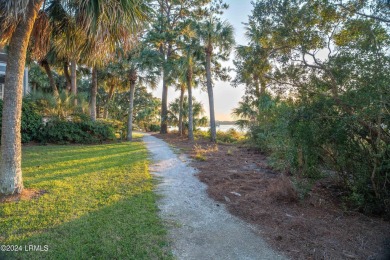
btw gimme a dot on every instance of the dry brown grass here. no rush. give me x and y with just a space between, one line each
202 152
281 190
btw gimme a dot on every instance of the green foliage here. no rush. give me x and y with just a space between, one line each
118 126
197 110
154 128
333 61
62 106
146 110
230 136
98 201
86 132
31 121
305 138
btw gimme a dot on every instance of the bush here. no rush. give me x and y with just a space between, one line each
154 128
305 138
230 136
120 129
31 121
85 132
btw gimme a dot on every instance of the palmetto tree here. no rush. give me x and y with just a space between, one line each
141 69
114 24
252 64
181 85
217 37
164 37
189 66
17 20
175 111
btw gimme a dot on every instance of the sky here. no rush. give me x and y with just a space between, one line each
226 97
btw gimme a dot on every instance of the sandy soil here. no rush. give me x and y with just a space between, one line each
316 227
199 227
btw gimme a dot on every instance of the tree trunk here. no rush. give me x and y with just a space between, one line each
133 78
257 88
109 97
164 106
73 79
213 130
53 86
164 99
190 109
182 89
94 88
67 76
11 181
262 90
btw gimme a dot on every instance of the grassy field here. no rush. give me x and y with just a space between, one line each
99 203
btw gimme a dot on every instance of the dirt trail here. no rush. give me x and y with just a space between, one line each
199 227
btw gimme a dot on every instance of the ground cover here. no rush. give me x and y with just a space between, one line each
90 202
303 222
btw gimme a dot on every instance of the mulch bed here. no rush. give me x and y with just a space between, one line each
316 227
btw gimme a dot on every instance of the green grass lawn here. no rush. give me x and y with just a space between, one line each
99 204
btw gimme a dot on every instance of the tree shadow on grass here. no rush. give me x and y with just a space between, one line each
98 195
79 167
127 229
49 157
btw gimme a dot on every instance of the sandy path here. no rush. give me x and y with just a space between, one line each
198 227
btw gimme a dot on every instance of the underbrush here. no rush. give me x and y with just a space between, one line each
31 121
78 129
201 152
308 139
84 132
229 137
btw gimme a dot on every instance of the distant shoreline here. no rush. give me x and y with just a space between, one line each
225 122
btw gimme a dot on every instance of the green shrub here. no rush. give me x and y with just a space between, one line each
85 132
31 121
154 128
305 138
230 136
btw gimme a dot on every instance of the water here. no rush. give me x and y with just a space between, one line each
223 128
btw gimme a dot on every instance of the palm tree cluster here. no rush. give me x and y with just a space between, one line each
106 48
70 32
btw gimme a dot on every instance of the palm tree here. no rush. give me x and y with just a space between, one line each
98 44
17 20
164 36
252 64
59 106
190 63
217 36
175 111
247 112
143 69
181 85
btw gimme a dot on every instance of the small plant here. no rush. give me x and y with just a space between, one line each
200 153
231 136
154 128
229 152
302 186
200 157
